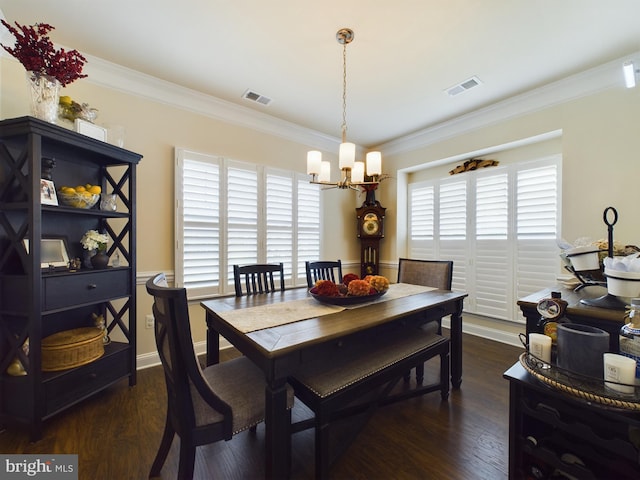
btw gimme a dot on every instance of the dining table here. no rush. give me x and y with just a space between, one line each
281 331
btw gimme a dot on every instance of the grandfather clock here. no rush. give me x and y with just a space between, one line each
370 225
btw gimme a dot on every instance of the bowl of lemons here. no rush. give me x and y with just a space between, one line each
82 196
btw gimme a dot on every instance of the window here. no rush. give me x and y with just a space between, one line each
498 225
231 212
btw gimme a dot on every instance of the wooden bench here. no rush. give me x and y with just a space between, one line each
359 375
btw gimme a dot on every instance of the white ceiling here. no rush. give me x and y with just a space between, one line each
404 56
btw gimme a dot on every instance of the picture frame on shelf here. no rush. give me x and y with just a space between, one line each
48 194
53 252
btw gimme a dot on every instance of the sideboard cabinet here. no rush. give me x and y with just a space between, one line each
39 299
555 435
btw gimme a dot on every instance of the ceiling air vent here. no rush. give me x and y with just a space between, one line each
463 87
256 97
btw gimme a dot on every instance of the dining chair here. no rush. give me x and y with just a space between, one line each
429 273
323 270
203 406
257 278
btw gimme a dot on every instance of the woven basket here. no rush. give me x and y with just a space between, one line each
71 348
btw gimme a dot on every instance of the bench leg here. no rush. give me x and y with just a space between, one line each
322 450
444 375
419 374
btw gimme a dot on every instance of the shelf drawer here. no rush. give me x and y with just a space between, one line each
77 384
71 290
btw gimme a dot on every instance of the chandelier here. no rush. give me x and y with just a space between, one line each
353 173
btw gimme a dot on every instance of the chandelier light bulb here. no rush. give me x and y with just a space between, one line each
374 164
347 155
357 172
629 74
325 172
314 158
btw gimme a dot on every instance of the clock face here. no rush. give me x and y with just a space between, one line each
370 224
549 308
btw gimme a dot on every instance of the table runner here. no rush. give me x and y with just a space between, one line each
251 319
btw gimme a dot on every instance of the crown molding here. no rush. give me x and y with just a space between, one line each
113 76
582 84
110 75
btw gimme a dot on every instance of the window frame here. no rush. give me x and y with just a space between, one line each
301 190
466 252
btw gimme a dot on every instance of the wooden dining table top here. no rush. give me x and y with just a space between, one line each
282 339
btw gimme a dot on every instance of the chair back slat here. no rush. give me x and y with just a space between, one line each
429 273
323 270
258 278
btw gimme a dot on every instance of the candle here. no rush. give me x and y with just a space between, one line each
540 347
620 369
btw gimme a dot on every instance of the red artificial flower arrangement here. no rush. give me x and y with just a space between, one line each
352 286
348 277
35 51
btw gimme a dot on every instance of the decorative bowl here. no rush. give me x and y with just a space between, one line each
622 284
345 299
79 200
584 258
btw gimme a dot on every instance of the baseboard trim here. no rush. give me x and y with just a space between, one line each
509 338
152 359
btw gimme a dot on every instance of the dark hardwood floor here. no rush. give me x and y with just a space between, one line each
116 433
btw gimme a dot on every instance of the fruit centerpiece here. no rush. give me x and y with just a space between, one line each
352 290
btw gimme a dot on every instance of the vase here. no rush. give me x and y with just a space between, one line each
100 261
580 349
44 92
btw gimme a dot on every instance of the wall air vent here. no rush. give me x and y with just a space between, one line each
256 97
463 86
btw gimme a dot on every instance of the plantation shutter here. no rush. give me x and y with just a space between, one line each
279 216
308 217
499 226
242 216
537 227
230 212
493 276
198 227
421 221
452 220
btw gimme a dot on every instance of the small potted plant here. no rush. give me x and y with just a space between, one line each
96 243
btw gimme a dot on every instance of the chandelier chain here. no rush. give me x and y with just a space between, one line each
344 93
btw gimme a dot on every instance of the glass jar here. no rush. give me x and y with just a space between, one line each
108 202
630 334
